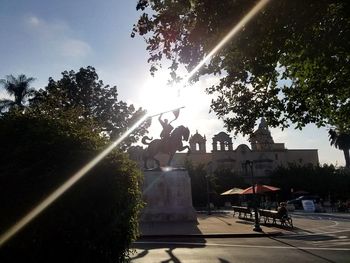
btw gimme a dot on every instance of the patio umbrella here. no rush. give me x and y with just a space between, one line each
233 191
260 188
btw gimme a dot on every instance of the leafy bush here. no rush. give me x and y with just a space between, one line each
198 183
325 181
94 221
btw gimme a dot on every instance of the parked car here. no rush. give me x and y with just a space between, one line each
297 202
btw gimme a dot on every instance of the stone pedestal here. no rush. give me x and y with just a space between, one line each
168 196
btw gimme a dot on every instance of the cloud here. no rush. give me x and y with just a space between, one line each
75 48
57 37
44 28
33 21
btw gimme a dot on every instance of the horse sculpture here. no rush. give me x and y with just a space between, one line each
168 146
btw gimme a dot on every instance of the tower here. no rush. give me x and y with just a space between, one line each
261 139
222 142
198 143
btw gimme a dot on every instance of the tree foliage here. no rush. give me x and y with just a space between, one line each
83 91
324 181
94 221
289 64
199 177
341 140
64 126
203 183
226 179
19 88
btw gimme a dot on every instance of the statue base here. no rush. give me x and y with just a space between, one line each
167 194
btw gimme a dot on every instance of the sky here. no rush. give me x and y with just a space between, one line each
42 38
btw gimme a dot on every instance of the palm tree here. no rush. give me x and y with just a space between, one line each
19 88
341 140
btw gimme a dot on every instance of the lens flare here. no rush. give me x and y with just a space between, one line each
79 174
65 186
228 37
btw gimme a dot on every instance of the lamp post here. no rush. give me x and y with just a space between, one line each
257 227
210 169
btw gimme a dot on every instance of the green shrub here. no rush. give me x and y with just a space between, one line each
94 221
326 181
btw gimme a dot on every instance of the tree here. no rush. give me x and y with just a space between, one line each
289 64
84 92
19 88
96 220
341 140
226 179
200 182
325 181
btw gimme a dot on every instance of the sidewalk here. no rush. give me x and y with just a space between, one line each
215 225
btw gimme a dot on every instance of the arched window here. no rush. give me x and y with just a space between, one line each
226 146
218 146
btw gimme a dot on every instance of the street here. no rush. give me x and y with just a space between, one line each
316 238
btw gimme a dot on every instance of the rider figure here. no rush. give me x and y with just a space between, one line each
167 128
282 211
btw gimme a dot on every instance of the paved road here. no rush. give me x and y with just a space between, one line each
317 238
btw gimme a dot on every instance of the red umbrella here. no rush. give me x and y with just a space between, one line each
260 188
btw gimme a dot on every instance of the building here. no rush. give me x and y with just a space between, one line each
264 153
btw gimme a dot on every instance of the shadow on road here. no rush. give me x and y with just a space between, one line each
245 222
221 260
172 258
169 228
225 221
144 246
303 250
315 237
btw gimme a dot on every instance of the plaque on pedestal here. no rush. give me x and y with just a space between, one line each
167 194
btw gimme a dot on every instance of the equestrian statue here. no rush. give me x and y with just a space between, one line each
169 143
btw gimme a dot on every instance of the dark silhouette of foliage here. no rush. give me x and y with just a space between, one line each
202 182
305 44
198 176
94 221
226 179
84 91
19 88
341 140
324 181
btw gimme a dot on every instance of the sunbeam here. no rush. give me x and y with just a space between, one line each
65 186
227 38
79 174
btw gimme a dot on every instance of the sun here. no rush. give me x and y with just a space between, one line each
157 96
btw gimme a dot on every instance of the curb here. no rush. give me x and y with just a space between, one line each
213 235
